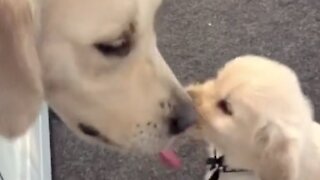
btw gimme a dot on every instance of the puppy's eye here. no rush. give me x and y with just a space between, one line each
120 47
88 130
225 107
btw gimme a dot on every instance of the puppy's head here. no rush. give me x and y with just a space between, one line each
102 72
249 101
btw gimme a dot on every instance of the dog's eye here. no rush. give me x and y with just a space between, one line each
88 130
225 107
120 47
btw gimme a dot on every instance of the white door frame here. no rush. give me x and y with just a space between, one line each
28 157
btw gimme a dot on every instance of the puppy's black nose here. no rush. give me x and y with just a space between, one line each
183 116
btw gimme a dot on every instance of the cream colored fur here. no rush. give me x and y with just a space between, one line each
47 53
271 129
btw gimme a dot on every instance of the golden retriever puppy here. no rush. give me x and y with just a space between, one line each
256 113
96 63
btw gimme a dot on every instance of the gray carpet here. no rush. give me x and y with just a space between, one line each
196 37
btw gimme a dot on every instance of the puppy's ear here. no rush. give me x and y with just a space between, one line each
279 154
20 83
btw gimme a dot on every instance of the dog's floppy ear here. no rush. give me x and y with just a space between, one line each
279 153
20 82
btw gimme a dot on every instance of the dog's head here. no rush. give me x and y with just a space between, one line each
251 100
104 76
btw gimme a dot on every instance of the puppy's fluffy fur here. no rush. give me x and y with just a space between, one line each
256 113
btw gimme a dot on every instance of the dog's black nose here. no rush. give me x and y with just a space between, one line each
182 117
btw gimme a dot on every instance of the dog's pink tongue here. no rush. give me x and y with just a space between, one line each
170 158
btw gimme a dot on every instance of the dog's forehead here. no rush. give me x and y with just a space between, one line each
91 20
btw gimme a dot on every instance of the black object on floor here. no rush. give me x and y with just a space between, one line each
217 166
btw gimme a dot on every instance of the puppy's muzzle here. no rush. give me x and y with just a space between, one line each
182 117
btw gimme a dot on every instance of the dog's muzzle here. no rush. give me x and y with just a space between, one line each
182 117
